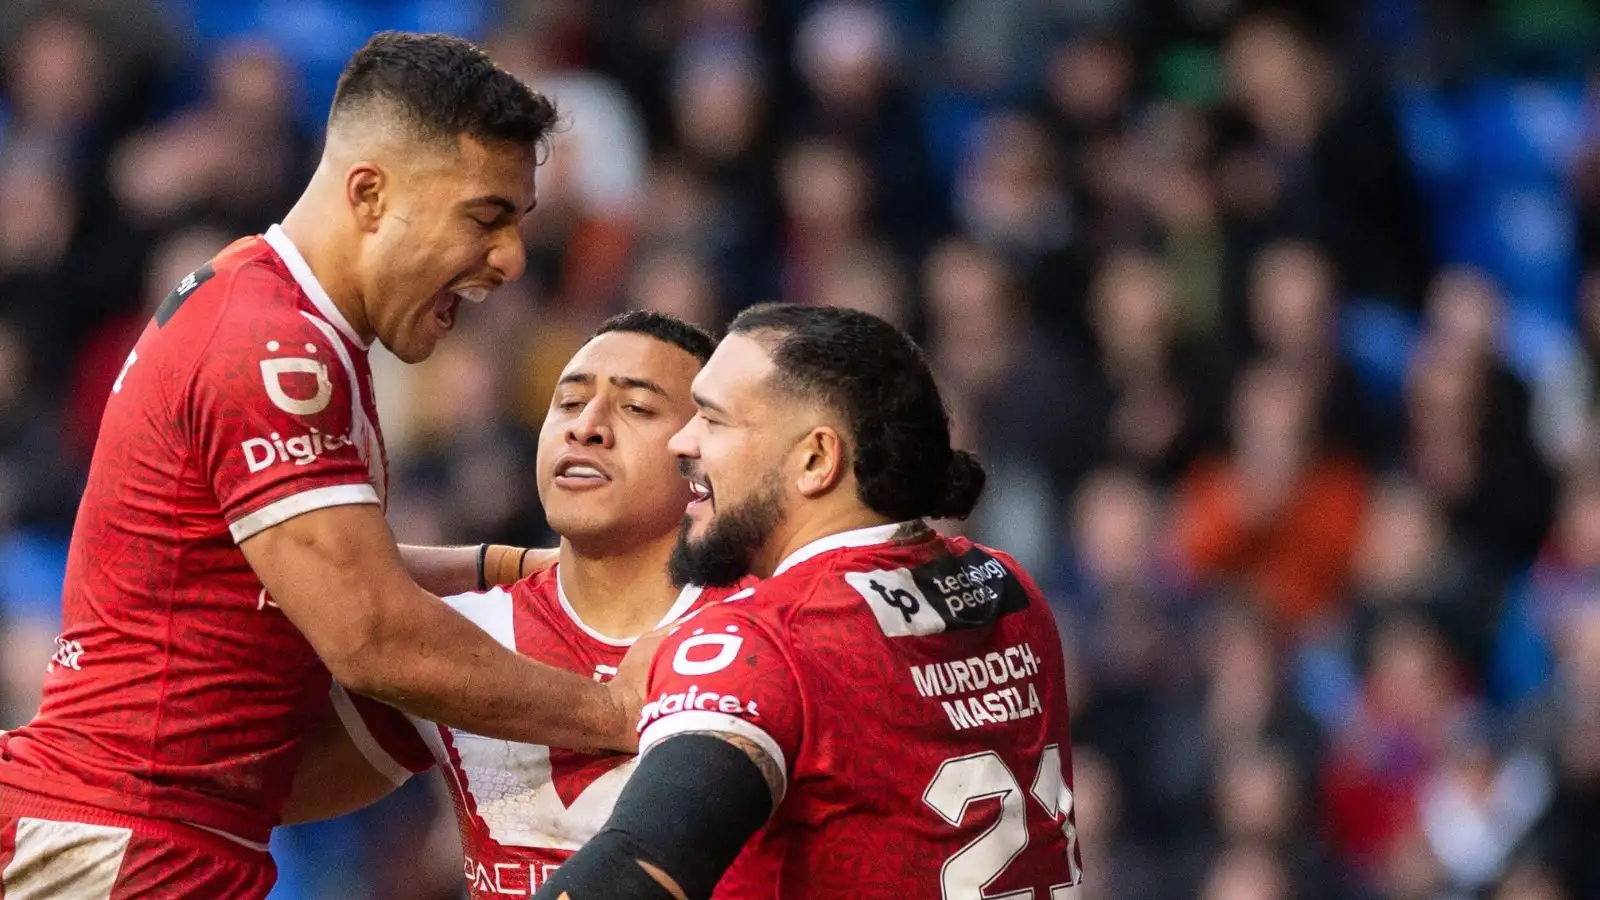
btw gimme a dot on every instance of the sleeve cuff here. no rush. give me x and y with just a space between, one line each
280 511
699 721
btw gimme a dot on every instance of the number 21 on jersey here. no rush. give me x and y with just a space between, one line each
964 780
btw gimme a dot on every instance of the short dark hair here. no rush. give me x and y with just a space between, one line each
691 338
442 87
876 378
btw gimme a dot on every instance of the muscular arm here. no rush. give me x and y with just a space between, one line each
694 802
337 574
454 570
334 779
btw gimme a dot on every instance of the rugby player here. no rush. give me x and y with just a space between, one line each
891 713
231 549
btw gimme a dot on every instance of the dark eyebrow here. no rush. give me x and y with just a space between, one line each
506 206
701 401
645 384
621 381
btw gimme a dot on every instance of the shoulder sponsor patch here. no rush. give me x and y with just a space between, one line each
951 593
185 289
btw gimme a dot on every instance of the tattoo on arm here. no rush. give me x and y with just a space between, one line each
770 770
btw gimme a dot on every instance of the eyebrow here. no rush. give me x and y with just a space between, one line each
701 401
621 381
505 205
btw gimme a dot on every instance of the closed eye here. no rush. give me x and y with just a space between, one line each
570 405
638 410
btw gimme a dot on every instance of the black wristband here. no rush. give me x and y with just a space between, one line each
483 553
521 560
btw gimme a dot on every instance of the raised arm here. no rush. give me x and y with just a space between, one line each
337 574
457 570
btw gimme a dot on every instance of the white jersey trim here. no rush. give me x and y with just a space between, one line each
280 511
860 537
233 838
361 427
686 599
721 723
279 241
372 751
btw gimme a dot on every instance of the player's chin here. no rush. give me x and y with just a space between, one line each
418 343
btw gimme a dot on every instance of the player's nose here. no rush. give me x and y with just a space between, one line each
591 427
507 256
684 443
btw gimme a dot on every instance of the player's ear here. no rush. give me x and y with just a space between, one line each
823 462
365 185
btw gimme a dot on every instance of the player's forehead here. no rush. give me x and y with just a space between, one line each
735 379
477 169
629 360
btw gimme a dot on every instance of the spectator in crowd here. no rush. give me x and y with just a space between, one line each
1280 513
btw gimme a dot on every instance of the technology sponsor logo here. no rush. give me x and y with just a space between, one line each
300 449
946 594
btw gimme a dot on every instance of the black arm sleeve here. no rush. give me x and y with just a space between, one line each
689 808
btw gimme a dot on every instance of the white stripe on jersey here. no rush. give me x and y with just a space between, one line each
696 720
372 751
363 433
686 599
280 511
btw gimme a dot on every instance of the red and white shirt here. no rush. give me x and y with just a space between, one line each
179 690
914 694
523 809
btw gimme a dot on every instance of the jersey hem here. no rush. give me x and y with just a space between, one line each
187 822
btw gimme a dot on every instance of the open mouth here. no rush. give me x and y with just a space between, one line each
575 472
448 303
699 490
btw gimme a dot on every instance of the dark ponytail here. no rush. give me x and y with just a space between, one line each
963 485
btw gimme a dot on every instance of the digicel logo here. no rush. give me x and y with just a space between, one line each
301 449
696 700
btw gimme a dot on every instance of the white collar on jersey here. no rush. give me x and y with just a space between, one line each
290 254
686 599
860 537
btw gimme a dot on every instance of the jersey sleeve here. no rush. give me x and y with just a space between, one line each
722 670
386 737
271 415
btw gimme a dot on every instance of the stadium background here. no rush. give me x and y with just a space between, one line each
1277 325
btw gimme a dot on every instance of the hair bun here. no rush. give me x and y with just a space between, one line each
963 485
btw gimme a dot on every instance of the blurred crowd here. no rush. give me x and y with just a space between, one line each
1276 324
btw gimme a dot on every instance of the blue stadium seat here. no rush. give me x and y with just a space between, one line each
1377 340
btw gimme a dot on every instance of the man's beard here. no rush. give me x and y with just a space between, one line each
722 557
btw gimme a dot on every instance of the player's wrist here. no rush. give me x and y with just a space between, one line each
501 564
